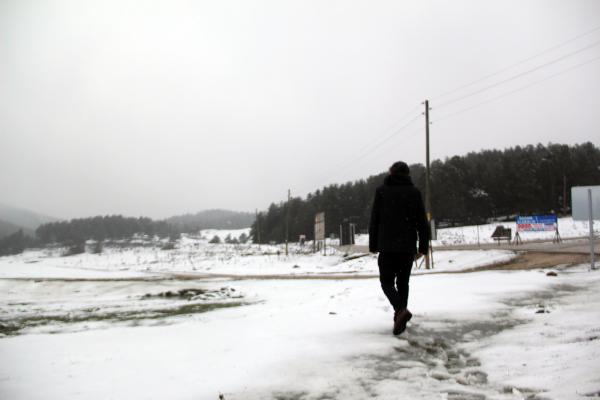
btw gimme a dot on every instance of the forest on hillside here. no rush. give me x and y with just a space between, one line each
212 219
469 189
75 232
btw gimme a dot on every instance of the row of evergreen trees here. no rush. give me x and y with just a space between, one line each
465 189
113 227
76 232
16 243
212 219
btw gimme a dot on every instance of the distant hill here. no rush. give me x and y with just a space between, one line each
212 219
13 218
6 228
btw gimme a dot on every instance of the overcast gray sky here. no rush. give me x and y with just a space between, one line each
164 107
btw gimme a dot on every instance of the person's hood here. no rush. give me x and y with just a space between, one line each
395 180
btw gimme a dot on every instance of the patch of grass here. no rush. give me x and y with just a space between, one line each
183 293
95 315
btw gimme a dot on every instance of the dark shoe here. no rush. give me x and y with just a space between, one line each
400 321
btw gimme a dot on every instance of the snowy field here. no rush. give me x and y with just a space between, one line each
127 263
115 325
567 228
194 255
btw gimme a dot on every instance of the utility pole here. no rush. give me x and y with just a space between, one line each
564 194
287 223
257 228
427 178
591 223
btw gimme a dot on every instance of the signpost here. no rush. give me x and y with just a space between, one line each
347 231
585 203
320 230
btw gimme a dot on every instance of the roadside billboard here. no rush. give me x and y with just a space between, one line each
537 223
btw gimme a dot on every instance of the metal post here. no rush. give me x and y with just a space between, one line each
427 176
564 210
257 228
591 223
349 233
287 223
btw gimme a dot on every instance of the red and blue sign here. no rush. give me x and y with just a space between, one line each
537 223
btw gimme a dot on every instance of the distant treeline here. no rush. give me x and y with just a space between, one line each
100 228
212 219
16 243
76 232
465 189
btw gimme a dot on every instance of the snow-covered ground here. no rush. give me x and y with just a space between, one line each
198 257
567 228
557 350
473 336
208 234
116 325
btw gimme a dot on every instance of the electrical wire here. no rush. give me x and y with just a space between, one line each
408 114
371 149
408 135
498 72
381 142
518 75
444 117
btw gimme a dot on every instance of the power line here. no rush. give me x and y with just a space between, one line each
381 142
408 114
377 145
375 152
444 117
518 75
371 149
546 51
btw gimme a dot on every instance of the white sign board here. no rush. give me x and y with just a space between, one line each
580 203
320 226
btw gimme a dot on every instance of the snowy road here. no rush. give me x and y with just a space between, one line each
485 335
577 246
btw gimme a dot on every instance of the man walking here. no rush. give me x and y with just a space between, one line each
397 221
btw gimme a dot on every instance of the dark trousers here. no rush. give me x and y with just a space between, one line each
394 273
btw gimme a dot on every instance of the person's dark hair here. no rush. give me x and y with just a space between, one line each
399 168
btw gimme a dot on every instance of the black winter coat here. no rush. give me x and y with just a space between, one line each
397 217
